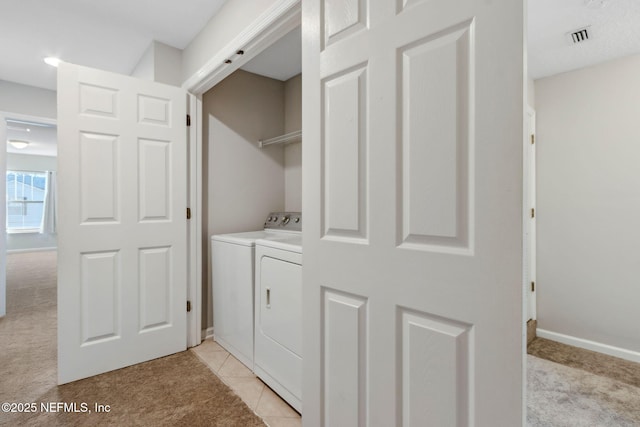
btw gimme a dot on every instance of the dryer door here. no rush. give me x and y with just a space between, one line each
281 302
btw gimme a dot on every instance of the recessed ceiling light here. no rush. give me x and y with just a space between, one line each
53 61
19 144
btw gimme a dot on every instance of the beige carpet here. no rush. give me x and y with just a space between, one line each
173 391
589 361
586 389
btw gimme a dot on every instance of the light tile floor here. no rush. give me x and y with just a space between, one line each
261 399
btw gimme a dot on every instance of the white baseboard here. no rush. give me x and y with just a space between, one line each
207 333
622 353
19 251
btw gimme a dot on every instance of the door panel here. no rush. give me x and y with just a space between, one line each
435 77
122 232
101 291
345 155
343 18
156 292
345 322
98 101
100 185
438 395
155 177
413 204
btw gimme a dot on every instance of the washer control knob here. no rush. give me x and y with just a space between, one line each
297 220
285 220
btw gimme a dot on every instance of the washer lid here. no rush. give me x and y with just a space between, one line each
246 239
291 242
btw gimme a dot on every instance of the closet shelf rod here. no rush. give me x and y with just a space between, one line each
282 139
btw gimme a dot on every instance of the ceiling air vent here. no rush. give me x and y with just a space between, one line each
579 36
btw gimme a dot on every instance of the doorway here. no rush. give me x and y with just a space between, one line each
29 188
28 181
243 182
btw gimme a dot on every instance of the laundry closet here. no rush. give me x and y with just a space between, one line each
249 171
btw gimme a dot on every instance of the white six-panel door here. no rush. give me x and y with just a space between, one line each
122 231
412 195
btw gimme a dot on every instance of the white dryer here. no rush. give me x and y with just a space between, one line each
278 316
233 273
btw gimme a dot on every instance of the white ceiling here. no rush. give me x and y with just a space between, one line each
280 61
614 33
42 137
111 35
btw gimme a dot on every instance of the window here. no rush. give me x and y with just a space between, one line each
25 200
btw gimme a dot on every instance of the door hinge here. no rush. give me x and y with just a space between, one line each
188 306
188 213
533 286
533 139
188 120
533 213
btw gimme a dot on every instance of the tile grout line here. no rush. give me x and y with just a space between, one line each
222 364
203 360
221 378
261 394
225 378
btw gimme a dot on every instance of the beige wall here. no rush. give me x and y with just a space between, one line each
30 162
146 67
168 63
29 100
293 152
160 63
588 166
242 183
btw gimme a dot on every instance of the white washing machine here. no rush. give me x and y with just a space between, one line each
233 274
278 316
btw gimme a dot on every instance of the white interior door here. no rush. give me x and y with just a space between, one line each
122 177
412 270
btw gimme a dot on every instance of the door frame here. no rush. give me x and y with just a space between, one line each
4 115
529 202
194 227
282 17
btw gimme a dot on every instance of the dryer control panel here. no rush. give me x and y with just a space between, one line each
289 221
